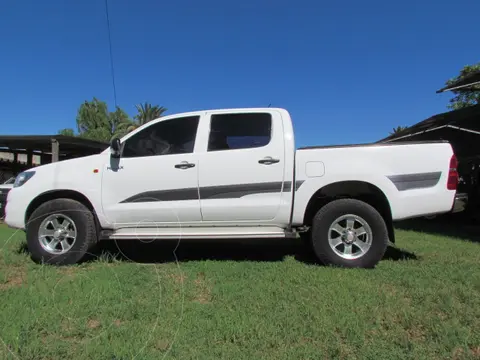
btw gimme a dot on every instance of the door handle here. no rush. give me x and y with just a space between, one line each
268 160
184 165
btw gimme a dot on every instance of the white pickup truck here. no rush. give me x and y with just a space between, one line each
232 173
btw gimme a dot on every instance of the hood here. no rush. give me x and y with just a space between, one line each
93 160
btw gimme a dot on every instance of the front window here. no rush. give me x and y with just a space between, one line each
168 137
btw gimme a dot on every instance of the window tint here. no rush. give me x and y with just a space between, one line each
239 131
175 136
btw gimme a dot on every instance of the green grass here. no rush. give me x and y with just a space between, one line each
242 302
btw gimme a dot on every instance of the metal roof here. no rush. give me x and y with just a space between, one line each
459 127
464 84
68 144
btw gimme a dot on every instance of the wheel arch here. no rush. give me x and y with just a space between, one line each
360 190
59 194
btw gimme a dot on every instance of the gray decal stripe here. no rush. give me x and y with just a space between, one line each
164 195
287 187
298 183
213 192
415 181
238 191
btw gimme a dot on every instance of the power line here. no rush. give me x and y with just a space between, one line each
111 55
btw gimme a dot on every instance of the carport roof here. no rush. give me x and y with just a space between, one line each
67 144
464 84
467 119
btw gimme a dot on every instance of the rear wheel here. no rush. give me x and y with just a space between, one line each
349 233
61 232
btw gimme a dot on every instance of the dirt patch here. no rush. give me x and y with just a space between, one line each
202 289
68 270
15 278
441 315
416 334
161 345
476 352
459 353
394 292
67 326
117 322
177 278
305 340
93 324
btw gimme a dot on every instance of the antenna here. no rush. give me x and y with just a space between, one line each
111 55
269 105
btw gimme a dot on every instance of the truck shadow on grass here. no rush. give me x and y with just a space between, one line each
166 251
227 250
450 226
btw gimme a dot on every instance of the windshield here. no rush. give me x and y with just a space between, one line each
9 181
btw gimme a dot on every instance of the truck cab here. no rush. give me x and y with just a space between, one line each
216 168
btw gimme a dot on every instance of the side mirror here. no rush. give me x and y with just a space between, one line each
115 147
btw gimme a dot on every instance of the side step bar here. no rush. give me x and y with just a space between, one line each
198 233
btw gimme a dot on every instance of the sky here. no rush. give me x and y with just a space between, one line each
347 71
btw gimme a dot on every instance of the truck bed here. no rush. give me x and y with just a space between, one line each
373 144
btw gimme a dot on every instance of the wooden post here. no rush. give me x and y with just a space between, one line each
55 150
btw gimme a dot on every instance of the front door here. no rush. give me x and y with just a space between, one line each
155 181
241 171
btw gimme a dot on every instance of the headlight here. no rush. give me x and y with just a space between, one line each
22 178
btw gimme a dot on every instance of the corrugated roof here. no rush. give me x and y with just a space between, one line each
464 84
68 144
468 117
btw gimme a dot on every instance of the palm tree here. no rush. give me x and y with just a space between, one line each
398 129
147 112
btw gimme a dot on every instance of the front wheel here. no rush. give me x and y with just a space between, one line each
349 233
61 232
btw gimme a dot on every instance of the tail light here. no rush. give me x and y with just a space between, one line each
452 181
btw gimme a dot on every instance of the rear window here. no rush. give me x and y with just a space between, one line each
239 131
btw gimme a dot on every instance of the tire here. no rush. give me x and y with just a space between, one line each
43 221
374 242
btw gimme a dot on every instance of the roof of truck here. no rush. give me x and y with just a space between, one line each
245 109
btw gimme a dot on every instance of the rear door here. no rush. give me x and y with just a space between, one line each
241 172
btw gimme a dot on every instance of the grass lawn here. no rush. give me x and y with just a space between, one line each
242 301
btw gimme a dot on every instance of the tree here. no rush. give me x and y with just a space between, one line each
147 112
398 129
67 132
95 122
464 99
119 122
